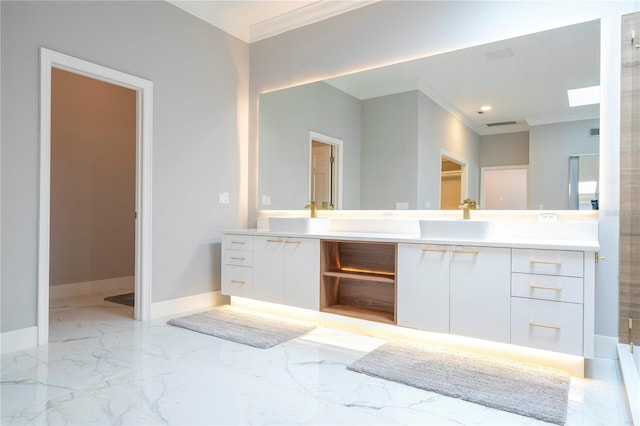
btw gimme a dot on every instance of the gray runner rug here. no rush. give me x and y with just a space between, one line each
229 323
529 390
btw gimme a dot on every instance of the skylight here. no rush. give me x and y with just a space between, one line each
584 96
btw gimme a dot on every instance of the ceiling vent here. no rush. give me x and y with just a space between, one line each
499 54
501 123
594 132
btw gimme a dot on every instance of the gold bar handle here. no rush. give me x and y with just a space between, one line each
237 258
465 251
237 242
274 241
293 242
553 327
434 250
539 287
546 262
238 282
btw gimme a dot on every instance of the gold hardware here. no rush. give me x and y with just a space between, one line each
630 327
326 206
539 287
292 242
274 241
465 251
237 258
435 250
598 257
237 242
238 282
546 262
468 204
554 327
313 208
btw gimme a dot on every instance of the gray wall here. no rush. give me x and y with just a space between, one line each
286 117
507 149
93 179
200 77
550 147
389 32
389 151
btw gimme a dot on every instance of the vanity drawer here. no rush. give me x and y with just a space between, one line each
238 281
238 257
543 324
548 262
238 242
547 287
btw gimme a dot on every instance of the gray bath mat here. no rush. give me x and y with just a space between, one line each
239 326
123 299
525 389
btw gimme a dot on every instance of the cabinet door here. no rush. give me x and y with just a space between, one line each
268 269
423 287
480 292
302 273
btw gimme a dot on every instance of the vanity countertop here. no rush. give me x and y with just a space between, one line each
525 243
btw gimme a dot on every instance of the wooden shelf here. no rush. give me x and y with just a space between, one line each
362 313
362 276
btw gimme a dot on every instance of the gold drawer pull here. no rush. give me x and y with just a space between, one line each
237 258
293 242
274 241
465 251
238 242
553 327
434 250
238 282
546 262
539 287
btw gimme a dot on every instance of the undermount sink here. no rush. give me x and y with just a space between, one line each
299 225
456 230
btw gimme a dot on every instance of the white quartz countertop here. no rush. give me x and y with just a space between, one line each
525 243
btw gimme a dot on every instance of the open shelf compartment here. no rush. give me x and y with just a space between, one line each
359 279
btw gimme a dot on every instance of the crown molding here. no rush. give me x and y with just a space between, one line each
306 15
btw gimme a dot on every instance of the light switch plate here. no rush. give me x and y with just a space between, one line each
548 217
223 198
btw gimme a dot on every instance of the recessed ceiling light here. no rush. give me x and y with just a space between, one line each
485 108
584 96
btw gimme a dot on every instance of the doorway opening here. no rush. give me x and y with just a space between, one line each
325 171
50 61
453 182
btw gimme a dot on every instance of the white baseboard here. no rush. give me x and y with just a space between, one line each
631 381
18 340
606 347
189 303
119 284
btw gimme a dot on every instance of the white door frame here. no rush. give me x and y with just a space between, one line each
485 169
337 143
144 88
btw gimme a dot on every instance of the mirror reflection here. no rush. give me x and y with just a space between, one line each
492 123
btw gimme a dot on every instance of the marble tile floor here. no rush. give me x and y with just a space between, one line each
102 367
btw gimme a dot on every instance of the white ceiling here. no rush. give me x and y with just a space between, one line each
259 19
527 85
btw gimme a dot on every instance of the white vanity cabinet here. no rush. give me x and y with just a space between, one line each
547 304
237 270
287 271
480 292
423 287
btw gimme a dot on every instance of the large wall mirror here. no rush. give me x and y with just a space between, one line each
491 122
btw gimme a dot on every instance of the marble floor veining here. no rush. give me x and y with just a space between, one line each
102 367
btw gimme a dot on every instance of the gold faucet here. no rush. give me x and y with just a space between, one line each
314 208
467 205
326 206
